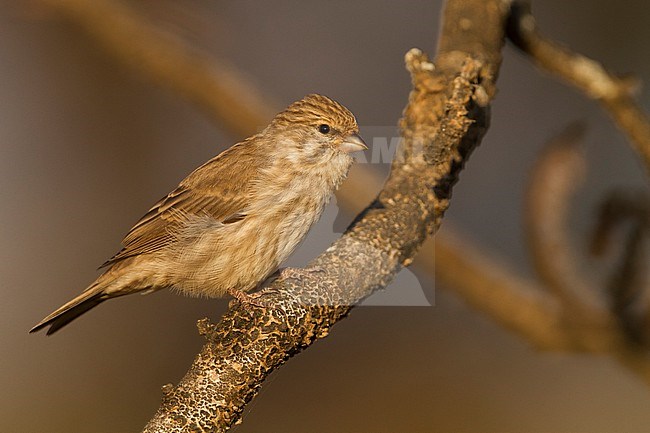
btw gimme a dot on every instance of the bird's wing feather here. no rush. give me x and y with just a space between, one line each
207 191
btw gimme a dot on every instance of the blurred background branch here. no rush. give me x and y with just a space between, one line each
216 86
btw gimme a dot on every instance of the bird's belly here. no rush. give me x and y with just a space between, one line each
220 259
292 231
216 257
239 255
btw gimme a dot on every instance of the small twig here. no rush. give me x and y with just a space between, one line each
615 93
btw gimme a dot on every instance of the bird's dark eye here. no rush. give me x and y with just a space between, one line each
324 129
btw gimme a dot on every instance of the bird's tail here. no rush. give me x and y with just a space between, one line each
89 298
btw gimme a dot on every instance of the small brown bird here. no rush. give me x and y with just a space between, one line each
231 223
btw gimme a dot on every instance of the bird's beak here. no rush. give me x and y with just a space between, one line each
353 143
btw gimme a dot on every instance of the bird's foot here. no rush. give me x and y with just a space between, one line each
250 300
298 273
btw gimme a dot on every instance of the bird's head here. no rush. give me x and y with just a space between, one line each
318 128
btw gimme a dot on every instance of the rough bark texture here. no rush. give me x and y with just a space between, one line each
445 118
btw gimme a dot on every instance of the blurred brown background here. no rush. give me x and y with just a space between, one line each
87 146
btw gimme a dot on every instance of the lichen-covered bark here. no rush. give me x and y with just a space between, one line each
446 116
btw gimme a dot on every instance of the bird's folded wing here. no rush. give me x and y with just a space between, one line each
220 189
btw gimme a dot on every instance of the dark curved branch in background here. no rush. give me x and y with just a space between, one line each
627 288
552 187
